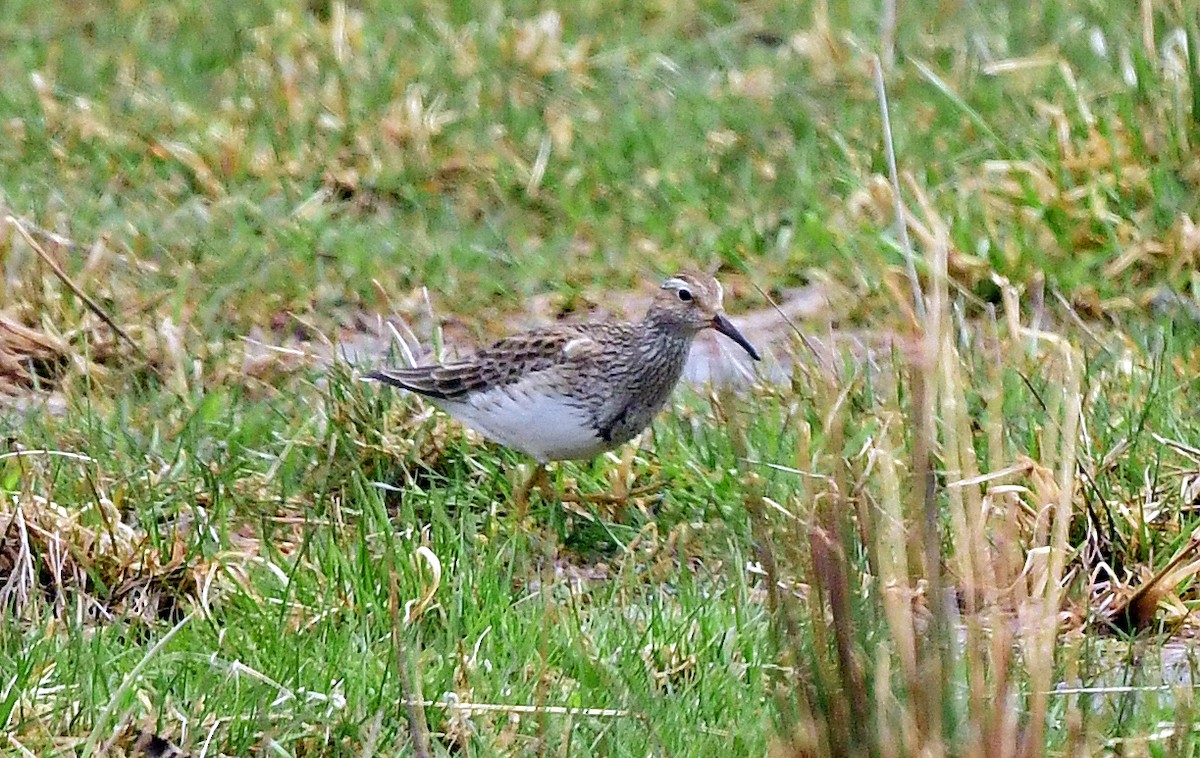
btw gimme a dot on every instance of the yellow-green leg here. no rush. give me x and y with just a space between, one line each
535 480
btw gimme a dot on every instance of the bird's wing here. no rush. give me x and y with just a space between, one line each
504 363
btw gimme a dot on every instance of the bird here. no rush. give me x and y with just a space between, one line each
574 391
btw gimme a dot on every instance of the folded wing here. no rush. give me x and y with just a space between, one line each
506 362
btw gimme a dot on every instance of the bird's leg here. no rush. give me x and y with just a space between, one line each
534 481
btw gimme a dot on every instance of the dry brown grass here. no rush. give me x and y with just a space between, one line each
92 562
983 590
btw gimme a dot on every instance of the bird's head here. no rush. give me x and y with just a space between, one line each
691 302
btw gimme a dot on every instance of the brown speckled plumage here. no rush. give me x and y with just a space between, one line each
574 390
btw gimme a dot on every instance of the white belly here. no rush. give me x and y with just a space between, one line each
526 418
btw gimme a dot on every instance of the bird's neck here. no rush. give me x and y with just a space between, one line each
663 322
666 341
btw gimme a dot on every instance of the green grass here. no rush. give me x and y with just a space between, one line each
284 174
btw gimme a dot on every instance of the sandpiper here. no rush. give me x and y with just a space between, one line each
572 391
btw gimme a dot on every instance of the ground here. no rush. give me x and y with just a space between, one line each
952 512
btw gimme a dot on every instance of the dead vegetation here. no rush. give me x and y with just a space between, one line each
973 557
90 564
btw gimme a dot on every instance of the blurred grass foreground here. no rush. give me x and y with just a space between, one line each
953 514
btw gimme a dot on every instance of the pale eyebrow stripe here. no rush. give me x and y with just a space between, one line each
675 283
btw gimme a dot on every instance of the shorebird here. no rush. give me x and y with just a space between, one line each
573 391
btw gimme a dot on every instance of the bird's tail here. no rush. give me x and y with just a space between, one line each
429 381
417 379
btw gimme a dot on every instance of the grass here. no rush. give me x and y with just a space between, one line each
930 545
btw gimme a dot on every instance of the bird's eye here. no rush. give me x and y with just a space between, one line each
685 294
